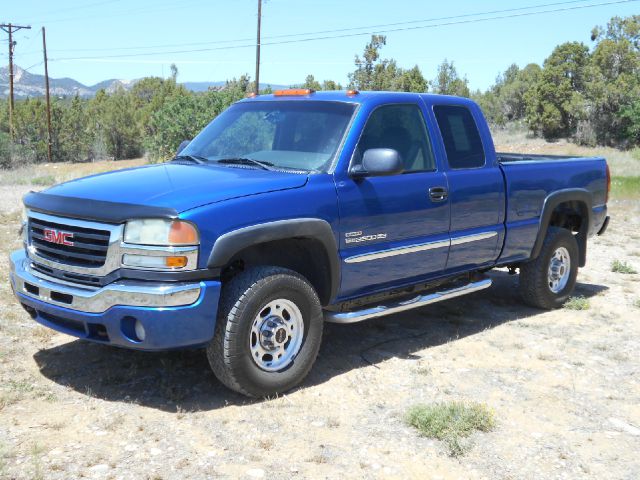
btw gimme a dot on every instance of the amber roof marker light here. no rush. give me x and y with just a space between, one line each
294 92
351 93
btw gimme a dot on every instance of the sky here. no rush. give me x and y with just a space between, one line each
87 39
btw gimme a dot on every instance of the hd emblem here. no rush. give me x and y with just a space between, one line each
358 237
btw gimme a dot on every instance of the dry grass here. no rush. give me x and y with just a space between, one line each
46 174
622 163
555 379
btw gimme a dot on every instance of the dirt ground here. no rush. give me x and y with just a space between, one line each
564 387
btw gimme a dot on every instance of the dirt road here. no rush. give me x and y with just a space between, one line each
564 387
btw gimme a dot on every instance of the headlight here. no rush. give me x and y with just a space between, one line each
160 232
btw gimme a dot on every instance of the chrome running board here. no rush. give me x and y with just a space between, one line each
402 305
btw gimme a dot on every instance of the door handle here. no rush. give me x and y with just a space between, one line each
438 194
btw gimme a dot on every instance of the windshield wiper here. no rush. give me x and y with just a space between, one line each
247 161
193 158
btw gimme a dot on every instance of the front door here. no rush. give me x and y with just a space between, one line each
394 230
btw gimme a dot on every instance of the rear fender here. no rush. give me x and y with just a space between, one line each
585 200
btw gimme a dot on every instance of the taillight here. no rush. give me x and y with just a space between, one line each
606 200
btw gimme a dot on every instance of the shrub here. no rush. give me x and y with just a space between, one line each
577 303
451 422
622 267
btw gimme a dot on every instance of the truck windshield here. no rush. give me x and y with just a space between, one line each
286 134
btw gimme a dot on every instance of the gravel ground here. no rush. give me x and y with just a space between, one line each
564 387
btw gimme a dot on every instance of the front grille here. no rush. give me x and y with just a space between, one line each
68 276
89 245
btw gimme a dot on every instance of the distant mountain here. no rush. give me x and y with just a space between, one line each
202 86
27 84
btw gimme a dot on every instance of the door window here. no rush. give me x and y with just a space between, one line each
461 137
402 128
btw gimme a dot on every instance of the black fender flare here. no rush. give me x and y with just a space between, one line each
230 243
550 203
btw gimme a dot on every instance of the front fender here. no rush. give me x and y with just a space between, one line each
230 243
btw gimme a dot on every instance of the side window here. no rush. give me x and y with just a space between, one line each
402 128
460 135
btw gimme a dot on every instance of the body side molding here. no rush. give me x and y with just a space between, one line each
392 252
420 247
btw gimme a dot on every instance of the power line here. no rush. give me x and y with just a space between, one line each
347 35
322 32
33 66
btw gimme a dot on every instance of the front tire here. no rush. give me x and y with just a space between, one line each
548 281
268 332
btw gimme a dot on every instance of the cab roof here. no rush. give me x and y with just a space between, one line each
357 98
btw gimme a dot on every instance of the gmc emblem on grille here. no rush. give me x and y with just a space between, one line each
56 236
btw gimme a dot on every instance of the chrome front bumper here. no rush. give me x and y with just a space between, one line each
94 299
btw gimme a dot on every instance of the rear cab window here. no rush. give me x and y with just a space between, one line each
461 137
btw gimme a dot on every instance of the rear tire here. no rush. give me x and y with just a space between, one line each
268 332
547 281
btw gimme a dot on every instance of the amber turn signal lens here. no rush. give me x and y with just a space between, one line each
293 92
176 262
183 233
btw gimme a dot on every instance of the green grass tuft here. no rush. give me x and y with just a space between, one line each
625 187
451 422
622 267
577 303
43 181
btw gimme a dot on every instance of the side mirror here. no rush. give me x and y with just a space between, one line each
378 162
182 146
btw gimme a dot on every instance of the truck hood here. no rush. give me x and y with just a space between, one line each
175 186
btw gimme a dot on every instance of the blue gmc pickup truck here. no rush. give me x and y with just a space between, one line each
296 208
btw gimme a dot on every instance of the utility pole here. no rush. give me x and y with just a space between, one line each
10 28
257 89
46 82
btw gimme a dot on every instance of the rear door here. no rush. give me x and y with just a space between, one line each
476 187
393 231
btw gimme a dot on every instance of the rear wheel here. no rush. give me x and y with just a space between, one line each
268 332
548 281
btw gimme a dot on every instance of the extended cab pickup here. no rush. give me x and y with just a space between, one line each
299 207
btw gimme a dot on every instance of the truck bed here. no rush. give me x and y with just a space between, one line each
530 179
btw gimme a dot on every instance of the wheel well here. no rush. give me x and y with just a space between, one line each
573 216
306 256
569 215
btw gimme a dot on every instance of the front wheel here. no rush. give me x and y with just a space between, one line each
548 281
268 332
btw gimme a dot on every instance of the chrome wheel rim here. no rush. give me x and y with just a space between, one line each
276 335
559 270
